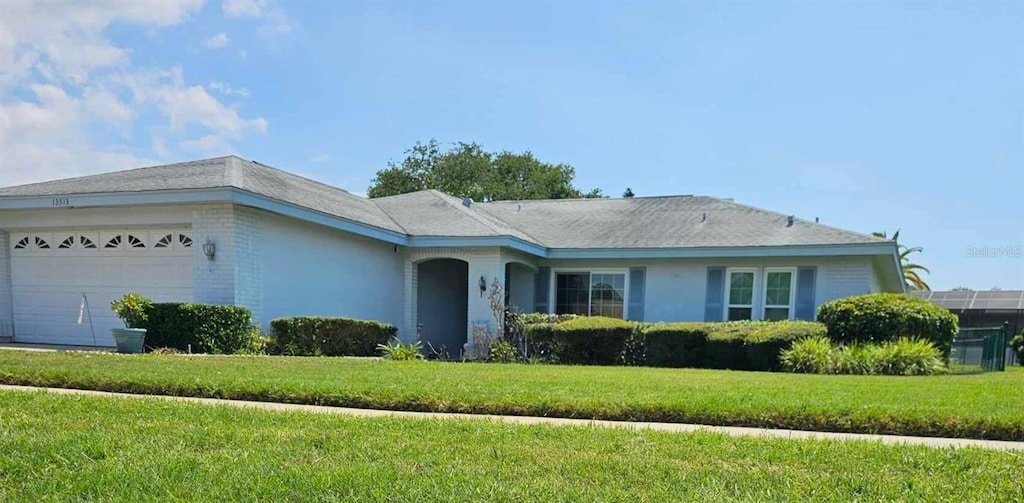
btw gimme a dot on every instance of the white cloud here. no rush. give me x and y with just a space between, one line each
70 98
193 105
67 37
243 8
104 105
227 90
217 41
321 158
275 20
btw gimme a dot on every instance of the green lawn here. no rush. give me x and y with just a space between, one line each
975 406
86 448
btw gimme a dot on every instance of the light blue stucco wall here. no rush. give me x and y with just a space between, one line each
520 286
309 269
675 288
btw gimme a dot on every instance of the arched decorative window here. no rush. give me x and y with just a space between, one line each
185 241
115 242
22 243
165 242
67 243
135 242
86 242
42 244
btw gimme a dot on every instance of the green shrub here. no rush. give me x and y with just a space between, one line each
809 356
737 345
903 356
535 318
1018 346
676 344
585 340
205 328
396 350
880 317
503 351
131 308
329 336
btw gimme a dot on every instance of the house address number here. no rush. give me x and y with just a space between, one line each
61 201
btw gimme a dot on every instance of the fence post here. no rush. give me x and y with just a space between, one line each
1004 339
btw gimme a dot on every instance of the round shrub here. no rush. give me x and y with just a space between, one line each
880 317
1018 346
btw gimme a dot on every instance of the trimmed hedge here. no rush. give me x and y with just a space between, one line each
742 345
329 336
206 328
585 340
880 317
737 345
676 344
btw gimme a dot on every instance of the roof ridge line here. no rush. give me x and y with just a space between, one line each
329 186
479 218
784 215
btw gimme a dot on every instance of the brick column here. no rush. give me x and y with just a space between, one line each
234 276
6 292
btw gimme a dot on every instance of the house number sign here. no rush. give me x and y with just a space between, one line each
61 201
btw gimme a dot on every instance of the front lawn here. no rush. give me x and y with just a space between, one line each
64 448
989 406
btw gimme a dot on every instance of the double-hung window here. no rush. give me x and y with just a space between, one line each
760 294
598 293
779 289
740 294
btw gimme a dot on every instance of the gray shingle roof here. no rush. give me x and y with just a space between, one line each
220 172
651 222
662 222
434 213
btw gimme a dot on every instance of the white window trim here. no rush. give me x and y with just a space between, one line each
553 293
753 298
792 290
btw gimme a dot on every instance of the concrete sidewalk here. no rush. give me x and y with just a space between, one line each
669 427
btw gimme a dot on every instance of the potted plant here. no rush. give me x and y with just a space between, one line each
132 310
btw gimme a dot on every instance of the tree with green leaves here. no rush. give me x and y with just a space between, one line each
467 170
911 271
628 192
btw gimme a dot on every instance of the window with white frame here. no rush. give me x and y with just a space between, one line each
779 289
597 293
740 294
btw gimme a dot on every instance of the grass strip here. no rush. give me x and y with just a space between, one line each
62 448
983 406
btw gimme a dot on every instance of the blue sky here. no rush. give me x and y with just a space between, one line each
868 115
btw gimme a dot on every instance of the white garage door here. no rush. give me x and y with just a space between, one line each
50 270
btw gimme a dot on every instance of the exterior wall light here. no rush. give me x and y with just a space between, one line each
209 249
483 286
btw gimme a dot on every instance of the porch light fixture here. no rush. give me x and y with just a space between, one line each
483 286
209 249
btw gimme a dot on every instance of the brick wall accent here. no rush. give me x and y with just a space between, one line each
6 292
248 266
235 274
